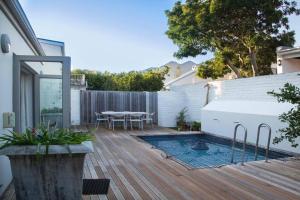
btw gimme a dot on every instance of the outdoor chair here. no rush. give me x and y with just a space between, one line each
136 118
149 118
101 118
118 118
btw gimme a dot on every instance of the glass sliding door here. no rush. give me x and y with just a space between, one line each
41 96
51 99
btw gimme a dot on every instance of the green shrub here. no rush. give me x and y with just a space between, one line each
181 119
290 94
43 136
196 126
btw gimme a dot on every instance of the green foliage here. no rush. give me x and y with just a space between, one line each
42 136
213 68
291 94
151 80
51 110
242 34
196 126
181 119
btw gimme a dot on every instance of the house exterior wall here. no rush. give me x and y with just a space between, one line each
18 46
189 79
289 65
75 107
52 50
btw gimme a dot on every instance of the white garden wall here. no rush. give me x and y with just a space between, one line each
169 105
241 100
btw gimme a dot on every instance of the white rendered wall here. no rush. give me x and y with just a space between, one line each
289 65
192 78
240 100
246 101
170 103
18 46
75 107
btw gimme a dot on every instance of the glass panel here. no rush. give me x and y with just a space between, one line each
51 102
46 68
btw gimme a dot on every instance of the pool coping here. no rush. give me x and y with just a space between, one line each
291 155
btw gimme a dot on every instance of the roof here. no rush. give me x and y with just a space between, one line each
53 43
180 77
19 15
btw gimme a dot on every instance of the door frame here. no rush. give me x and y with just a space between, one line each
66 88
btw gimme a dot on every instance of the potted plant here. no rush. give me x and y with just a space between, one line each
47 165
196 126
181 120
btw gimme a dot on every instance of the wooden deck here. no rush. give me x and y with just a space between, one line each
139 172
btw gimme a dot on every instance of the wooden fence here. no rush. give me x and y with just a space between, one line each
98 101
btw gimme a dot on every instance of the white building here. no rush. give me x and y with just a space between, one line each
288 59
28 65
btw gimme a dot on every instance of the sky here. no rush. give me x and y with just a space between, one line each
111 35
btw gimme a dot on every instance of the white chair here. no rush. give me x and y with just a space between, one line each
101 118
149 117
119 118
136 118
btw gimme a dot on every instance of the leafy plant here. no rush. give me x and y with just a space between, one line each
196 126
291 94
51 110
181 118
43 136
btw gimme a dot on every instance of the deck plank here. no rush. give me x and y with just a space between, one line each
138 171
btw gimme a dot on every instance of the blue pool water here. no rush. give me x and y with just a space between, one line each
203 150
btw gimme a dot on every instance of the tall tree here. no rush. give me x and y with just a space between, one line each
243 34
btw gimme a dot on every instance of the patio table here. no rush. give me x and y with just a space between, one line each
125 113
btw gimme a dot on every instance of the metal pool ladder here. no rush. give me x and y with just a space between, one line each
257 140
244 143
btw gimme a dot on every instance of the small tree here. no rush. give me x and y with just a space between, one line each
291 94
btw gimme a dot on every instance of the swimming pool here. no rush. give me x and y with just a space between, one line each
204 150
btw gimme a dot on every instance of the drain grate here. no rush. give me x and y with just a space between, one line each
95 186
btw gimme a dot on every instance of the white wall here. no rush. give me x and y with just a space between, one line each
170 103
75 107
289 65
253 89
240 100
185 79
246 101
18 46
221 122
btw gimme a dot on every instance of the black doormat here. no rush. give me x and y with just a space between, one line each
95 186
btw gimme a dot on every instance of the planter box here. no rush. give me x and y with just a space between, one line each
57 175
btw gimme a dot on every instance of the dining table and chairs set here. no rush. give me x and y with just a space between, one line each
111 119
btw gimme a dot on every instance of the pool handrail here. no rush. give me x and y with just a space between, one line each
257 140
234 140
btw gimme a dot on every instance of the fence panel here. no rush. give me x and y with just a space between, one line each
92 101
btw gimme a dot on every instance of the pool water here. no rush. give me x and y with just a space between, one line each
204 150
